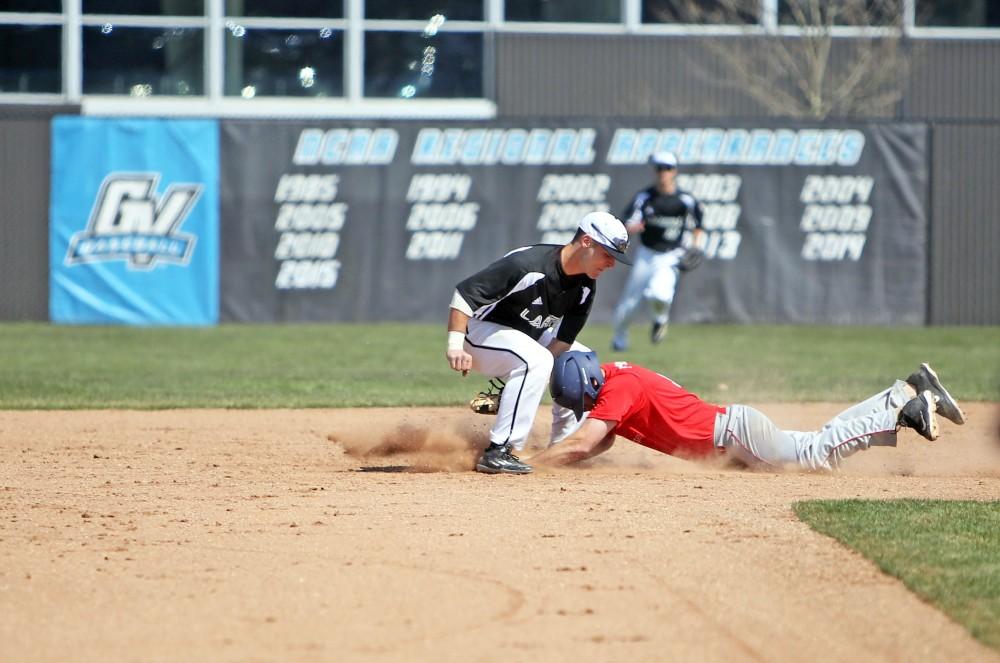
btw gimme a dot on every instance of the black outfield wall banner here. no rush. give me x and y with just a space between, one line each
377 221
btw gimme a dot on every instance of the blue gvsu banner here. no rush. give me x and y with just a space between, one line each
134 232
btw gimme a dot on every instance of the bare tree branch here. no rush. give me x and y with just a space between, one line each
812 73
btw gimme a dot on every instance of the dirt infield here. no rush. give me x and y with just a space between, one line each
361 535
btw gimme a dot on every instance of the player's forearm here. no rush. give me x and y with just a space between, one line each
458 321
458 358
565 453
573 450
557 347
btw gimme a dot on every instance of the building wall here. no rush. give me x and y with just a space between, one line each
954 81
613 75
953 85
24 210
965 233
669 76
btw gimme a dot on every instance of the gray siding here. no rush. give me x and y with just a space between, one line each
24 213
645 76
670 76
954 80
624 76
965 232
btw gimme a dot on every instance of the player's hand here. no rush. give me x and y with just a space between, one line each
459 360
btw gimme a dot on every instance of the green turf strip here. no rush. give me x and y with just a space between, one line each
341 365
947 552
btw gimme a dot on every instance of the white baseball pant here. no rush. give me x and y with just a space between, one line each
525 366
653 277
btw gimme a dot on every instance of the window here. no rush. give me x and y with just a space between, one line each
295 9
418 10
958 13
860 13
284 63
30 58
145 7
408 65
141 62
47 6
701 11
593 11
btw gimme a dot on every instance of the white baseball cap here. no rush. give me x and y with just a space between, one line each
663 160
609 232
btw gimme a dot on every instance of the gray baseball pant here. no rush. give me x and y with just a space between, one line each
751 437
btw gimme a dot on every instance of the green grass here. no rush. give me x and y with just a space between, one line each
947 552
339 365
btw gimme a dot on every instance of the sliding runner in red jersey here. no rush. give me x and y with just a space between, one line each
653 410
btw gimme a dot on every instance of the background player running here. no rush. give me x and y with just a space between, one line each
653 410
509 320
660 214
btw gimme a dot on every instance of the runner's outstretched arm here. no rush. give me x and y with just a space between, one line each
595 437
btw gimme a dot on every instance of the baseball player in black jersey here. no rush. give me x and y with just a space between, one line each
660 214
511 320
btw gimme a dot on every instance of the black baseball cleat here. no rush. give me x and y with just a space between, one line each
497 459
919 415
925 379
658 333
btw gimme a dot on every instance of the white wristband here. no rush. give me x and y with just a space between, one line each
456 340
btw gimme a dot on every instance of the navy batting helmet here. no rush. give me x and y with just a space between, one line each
576 380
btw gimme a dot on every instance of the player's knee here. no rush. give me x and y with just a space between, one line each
540 361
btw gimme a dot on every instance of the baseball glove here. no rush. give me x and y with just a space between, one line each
691 259
487 402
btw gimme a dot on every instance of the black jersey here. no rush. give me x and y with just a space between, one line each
528 290
666 216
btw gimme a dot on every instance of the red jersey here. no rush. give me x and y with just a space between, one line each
655 411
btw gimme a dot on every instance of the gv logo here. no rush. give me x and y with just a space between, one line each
129 222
